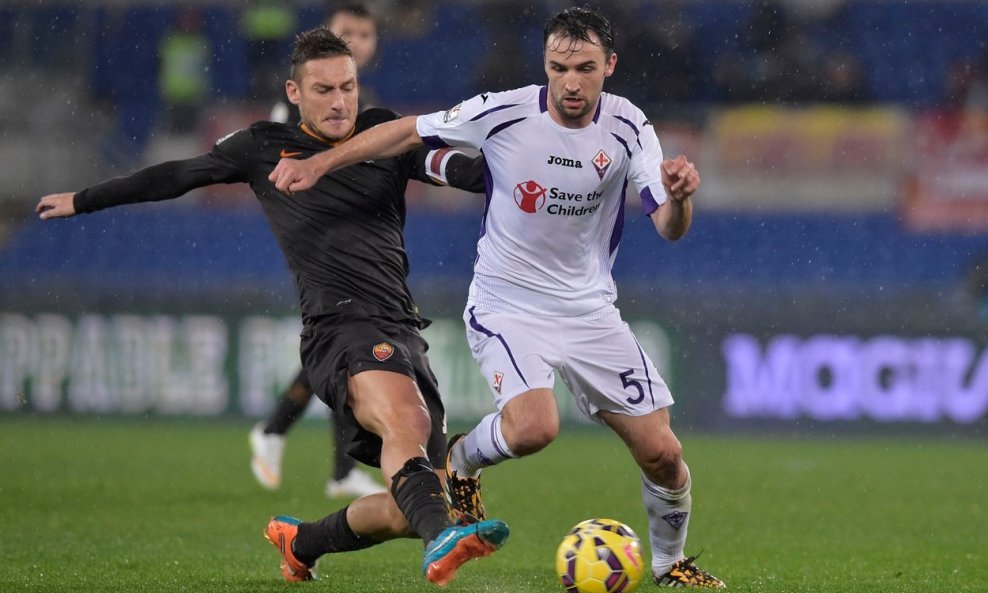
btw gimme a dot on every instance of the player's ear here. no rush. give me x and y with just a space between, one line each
611 63
293 92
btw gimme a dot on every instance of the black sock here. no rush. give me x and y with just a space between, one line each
343 433
291 405
420 497
329 535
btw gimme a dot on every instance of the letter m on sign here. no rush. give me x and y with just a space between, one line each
761 384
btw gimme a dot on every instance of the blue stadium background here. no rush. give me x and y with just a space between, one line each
792 269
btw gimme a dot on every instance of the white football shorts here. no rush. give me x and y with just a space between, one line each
599 360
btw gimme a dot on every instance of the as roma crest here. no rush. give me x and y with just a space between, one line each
383 351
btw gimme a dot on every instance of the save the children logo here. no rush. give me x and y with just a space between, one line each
530 196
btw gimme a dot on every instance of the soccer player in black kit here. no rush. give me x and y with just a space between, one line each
360 343
355 24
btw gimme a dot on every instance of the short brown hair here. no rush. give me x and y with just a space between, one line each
316 44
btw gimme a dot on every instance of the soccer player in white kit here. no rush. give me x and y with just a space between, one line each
560 158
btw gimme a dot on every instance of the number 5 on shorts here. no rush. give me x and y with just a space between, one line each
627 382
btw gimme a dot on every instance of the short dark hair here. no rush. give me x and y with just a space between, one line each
316 44
577 23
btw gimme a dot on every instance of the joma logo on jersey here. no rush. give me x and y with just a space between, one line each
558 160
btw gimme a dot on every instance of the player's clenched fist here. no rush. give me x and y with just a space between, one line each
56 206
680 177
291 175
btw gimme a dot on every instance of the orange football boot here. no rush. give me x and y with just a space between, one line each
281 532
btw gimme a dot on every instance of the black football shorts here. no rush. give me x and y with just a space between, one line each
335 347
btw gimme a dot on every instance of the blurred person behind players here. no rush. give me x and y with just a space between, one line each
355 24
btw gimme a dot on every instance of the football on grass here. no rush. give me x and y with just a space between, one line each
600 556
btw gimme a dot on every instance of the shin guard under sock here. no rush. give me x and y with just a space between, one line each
419 494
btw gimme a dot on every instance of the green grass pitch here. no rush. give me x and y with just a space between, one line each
165 505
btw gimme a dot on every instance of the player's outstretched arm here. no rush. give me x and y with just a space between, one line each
382 141
164 181
681 180
56 206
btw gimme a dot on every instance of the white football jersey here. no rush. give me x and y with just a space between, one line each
555 197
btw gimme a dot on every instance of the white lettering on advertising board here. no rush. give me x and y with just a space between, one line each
133 364
114 364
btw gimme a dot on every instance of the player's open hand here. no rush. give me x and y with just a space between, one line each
680 178
292 175
56 206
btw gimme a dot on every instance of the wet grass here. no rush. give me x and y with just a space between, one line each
170 505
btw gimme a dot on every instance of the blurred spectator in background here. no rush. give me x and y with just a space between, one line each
966 94
958 82
508 24
977 285
355 24
966 83
977 94
410 19
657 54
842 80
183 77
778 62
268 26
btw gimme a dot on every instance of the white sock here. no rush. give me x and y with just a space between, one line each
668 517
482 447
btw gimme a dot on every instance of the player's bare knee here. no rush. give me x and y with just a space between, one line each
662 462
418 420
533 436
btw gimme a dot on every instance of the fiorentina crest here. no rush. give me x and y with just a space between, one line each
601 162
676 519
